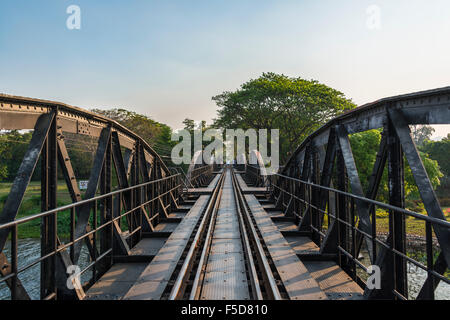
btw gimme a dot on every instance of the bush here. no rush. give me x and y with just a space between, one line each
445 202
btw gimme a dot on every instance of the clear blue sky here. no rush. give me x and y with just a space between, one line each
168 58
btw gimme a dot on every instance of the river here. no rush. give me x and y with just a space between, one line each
29 250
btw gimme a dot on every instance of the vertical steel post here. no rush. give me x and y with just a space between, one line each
342 209
397 198
49 184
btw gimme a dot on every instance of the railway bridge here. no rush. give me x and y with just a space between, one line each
145 231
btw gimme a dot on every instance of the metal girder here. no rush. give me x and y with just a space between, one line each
71 182
374 184
94 179
15 197
21 113
423 183
50 121
397 225
393 114
49 186
363 209
306 171
425 107
393 276
25 173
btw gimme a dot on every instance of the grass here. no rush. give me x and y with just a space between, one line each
31 204
413 226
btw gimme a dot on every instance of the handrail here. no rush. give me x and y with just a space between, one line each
80 203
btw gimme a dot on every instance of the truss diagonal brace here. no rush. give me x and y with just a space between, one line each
363 209
25 173
421 178
83 216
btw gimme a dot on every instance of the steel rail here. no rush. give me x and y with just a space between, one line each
201 268
182 277
270 282
199 277
256 286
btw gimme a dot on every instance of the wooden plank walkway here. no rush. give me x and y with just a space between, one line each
250 190
145 273
205 191
299 283
148 280
153 280
331 279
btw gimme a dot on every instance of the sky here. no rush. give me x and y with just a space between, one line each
166 59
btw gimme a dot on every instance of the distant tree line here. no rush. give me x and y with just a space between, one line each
298 107
81 148
295 106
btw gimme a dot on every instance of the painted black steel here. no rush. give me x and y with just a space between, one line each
321 179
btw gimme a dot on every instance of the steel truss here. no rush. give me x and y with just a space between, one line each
109 222
321 179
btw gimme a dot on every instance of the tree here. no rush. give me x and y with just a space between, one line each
13 146
439 151
3 166
421 133
189 124
365 146
156 134
295 106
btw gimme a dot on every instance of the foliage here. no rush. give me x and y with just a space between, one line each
421 133
148 129
295 106
81 149
365 147
13 146
439 151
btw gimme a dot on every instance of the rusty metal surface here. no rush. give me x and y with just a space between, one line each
302 245
336 284
299 283
148 247
116 282
152 282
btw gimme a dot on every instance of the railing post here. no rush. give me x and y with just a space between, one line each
106 215
342 210
316 197
397 225
49 184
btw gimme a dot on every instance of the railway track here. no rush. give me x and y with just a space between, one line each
226 258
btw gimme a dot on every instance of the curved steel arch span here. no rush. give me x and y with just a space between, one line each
146 189
304 186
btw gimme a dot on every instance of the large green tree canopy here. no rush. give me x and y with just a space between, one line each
295 106
365 145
